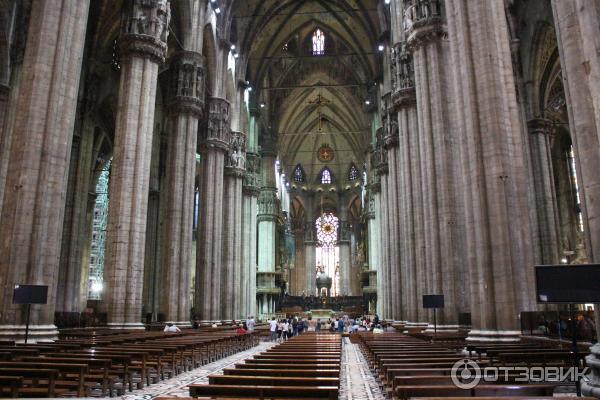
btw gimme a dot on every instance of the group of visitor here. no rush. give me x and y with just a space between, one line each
286 328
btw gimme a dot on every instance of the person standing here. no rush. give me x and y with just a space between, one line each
251 323
295 326
318 327
273 329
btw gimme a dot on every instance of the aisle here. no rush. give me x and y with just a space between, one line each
357 382
177 386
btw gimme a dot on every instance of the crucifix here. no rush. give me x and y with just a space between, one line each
320 101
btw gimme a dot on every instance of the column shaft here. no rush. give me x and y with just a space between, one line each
494 164
142 48
207 298
33 206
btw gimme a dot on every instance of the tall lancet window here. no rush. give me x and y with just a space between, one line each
575 186
325 176
353 173
328 253
298 174
318 42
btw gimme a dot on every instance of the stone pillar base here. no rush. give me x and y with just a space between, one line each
125 325
180 324
36 333
592 388
442 328
476 335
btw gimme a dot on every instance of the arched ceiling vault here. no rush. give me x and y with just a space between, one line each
274 38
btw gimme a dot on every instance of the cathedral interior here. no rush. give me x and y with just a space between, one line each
210 160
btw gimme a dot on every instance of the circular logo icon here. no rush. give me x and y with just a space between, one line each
466 374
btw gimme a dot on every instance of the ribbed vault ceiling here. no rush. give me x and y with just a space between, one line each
274 37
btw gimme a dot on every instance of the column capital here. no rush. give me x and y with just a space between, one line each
422 22
540 126
402 77
235 160
187 86
268 207
391 133
217 131
251 185
379 154
145 30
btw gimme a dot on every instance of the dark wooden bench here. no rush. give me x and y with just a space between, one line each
37 382
283 372
272 380
10 385
406 392
265 392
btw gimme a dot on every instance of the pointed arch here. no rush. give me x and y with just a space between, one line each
298 174
325 176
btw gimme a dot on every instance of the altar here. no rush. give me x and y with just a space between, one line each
321 314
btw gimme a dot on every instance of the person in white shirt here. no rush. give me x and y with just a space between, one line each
285 329
170 328
273 330
251 323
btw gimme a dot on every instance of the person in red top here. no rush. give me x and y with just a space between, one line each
242 329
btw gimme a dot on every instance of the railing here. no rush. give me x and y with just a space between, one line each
421 12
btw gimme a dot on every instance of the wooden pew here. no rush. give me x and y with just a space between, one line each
10 385
406 392
272 380
283 372
36 381
262 392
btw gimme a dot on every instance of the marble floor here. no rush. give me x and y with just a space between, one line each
356 380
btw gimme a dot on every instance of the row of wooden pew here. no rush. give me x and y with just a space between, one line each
106 365
412 367
306 366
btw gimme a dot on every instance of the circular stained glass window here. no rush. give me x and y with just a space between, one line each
327 226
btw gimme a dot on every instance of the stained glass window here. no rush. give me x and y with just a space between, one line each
298 174
326 176
328 252
353 173
575 185
327 226
318 42
96 271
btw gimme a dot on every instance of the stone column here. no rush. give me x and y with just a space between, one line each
577 31
424 32
33 206
405 117
390 143
267 216
73 267
369 211
540 132
186 103
143 47
376 253
379 161
251 190
494 163
215 144
235 164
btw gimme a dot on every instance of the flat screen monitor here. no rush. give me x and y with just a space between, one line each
30 294
433 301
576 284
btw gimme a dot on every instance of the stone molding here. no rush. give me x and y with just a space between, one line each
145 30
216 134
188 84
540 126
